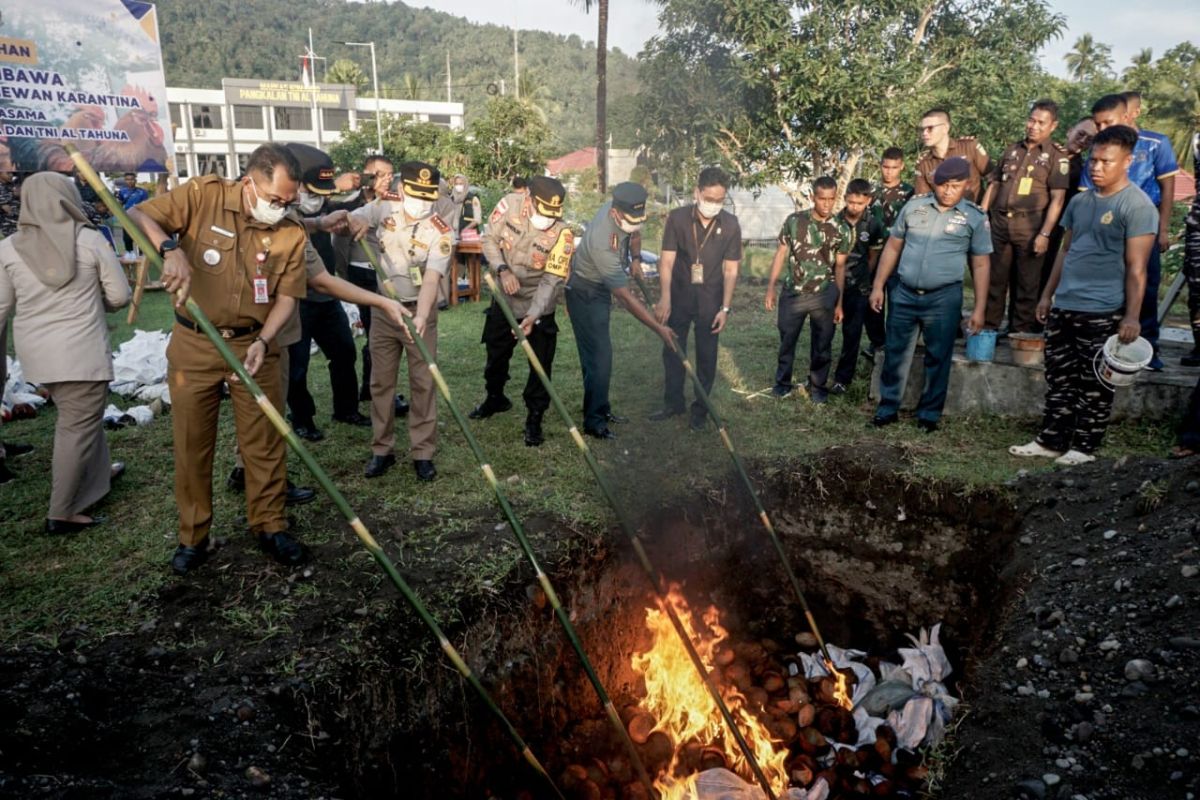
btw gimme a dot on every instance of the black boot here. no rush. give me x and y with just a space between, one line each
494 404
533 429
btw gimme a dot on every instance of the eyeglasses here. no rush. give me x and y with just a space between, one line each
274 201
927 128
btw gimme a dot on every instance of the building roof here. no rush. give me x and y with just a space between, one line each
1185 185
572 162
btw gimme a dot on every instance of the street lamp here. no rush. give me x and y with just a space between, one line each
375 81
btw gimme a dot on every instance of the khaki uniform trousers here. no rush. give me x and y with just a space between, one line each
81 472
388 344
195 372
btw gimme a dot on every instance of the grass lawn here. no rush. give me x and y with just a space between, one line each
105 580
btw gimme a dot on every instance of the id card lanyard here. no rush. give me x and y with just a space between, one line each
697 267
261 297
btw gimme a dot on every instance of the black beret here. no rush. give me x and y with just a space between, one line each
316 168
952 169
548 195
630 199
417 179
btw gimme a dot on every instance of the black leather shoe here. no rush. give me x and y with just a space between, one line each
5 475
615 419
927 425
308 433
298 495
600 433
698 420
353 419
379 465
236 482
283 548
664 414
882 422
61 527
1192 359
187 559
425 470
533 429
17 449
400 405
115 471
492 405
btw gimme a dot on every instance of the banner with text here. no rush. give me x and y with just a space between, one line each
240 92
84 72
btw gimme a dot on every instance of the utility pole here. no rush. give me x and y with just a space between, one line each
448 99
312 80
516 57
375 83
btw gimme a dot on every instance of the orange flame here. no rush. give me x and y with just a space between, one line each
841 695
680 702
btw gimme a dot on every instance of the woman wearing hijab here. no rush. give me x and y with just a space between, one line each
60 274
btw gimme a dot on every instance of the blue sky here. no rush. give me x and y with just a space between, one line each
1127 26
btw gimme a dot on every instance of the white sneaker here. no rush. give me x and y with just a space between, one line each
1034 449
1073 458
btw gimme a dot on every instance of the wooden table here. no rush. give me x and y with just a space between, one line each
474 253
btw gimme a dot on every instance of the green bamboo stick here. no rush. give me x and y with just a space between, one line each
517 529
652 574
740 468
339 500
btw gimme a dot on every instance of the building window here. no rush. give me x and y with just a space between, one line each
181 164
207 117
176 114
248 117
440 119
334 119
211 164
243 160
293 119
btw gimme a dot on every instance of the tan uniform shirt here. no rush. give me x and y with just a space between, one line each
965 146
409 249
539 260
1025 176
221 243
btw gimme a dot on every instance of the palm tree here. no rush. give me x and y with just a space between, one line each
346 71
1089 59
1140 72
601 87
534 94
412 88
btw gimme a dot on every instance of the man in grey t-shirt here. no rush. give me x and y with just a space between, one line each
1094 291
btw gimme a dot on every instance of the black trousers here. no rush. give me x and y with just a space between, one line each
590 307
364 279
500 342
692 309
327 325
1078 403
854 317
1191 268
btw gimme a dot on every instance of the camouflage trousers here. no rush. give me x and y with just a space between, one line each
1191 269
1078 403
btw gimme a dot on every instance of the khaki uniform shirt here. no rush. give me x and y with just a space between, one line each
539 260
966 147
1025 176
222 243
409 249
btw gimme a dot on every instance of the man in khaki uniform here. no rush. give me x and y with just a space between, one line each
529 249
415 243
935 135
242 261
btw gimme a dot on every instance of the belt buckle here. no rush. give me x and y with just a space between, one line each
226 333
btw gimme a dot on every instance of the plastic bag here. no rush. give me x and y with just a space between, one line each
141 361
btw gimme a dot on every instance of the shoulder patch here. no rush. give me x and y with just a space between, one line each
444 246
499 211
440 224
558 262
614 243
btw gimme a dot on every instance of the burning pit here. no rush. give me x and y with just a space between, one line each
880 557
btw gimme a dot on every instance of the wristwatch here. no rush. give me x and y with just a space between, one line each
726 310
500 268
167 246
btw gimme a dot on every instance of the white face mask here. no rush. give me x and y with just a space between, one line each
707 209
460 190
416 208
629 227
540 222
310 203
264 212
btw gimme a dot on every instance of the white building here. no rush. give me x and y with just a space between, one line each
215 130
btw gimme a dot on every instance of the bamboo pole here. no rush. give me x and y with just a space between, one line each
517 529
339 500
627 526
740 468
139 288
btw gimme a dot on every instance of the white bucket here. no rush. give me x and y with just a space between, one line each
1118 364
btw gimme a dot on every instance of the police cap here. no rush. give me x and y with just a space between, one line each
417 179
316 168
548 195
952 169
630 199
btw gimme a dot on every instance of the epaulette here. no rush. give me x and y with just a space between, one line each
975 206
1060 149
439 223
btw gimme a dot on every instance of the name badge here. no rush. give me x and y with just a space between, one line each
698 274
1025 186
221 231
414 275
260 291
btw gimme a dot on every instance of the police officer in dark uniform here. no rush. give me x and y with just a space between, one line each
1025 197
929 247
529 249
597 276
935 136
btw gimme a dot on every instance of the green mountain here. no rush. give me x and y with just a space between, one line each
204 42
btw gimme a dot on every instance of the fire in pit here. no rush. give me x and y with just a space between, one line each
813 734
